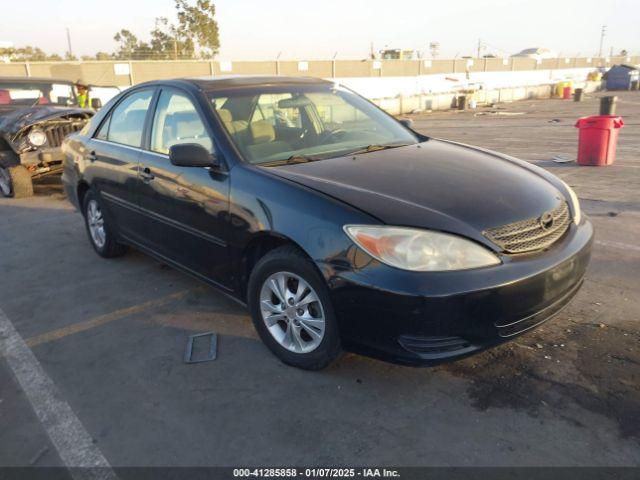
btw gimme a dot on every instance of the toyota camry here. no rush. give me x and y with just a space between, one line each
338 226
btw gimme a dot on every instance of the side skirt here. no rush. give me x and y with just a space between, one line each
227 292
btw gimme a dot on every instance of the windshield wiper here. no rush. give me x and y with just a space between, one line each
292 160
375 148
37 100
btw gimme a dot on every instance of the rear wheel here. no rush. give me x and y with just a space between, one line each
15 182
292 311
100 232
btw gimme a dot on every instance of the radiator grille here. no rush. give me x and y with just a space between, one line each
56 133
532 234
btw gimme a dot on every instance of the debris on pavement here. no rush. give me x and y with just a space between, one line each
562 158
198 350
39 454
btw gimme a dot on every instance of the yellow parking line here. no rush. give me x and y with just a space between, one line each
102 319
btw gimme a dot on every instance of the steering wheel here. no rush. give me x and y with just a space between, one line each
329 135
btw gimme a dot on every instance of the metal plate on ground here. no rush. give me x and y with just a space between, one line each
202 347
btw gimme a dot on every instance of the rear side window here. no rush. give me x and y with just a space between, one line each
126 123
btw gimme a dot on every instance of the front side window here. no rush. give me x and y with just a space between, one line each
127 119
177 121
271 125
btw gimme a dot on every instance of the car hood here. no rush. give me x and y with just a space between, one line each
11 122
436 184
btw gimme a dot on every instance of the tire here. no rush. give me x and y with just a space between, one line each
16 182
311 343
104 243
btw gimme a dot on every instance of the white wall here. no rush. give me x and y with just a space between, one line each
389 87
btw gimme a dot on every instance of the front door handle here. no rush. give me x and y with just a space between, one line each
146 175
92 156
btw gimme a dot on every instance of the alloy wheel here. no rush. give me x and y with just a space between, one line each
95 222
292 312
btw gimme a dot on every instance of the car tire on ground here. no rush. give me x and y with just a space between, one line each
101 234
291 309
16 182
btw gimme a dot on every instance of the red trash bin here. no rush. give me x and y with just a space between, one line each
598 138
566 93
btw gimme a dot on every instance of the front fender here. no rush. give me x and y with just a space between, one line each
265 204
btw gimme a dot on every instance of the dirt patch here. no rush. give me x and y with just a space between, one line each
593 365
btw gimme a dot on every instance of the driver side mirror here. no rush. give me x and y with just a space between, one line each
96 103
407 122
192 155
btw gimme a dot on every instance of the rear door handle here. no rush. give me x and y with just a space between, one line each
92 156
146 175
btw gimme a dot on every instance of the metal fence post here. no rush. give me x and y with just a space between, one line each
27 69
130 73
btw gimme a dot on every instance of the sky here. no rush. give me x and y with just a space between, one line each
299 29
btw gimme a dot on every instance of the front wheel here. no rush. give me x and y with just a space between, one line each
100 232
291 310
15 182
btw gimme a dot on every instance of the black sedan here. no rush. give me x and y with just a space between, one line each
337 225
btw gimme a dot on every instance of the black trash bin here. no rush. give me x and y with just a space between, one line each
608 105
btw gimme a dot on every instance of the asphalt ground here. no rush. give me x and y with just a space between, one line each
92 350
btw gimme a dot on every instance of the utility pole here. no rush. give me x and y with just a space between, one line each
69 43
603 32
479 47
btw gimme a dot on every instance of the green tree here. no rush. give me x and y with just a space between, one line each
103 56
197 23
168 43
130 47
27 54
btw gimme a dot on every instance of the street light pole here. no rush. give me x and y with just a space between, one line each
69 43
603 32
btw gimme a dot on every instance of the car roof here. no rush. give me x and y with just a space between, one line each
225 82
34 80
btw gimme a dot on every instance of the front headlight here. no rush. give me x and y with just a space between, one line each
575 203
37 138
420 250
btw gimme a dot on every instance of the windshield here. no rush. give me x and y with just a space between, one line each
32 94
300 123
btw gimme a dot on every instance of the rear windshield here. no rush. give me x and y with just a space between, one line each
32 94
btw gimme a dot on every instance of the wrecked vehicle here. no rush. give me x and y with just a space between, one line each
35 116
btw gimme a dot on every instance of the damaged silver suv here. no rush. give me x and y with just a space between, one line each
35 116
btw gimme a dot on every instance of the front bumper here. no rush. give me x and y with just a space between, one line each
428 318
43 156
